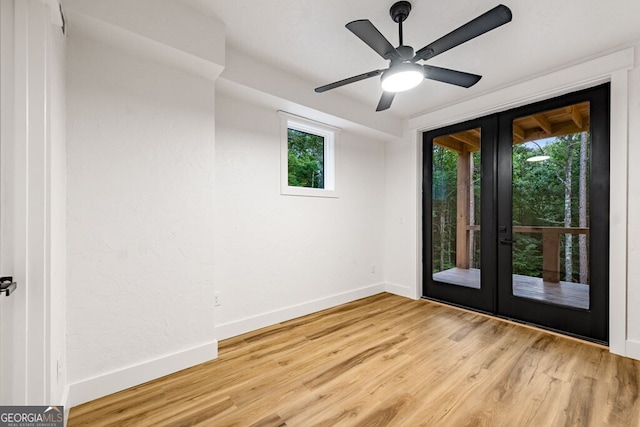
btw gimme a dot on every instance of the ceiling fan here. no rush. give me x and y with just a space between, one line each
404 73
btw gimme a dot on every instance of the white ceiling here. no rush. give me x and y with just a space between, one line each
308 38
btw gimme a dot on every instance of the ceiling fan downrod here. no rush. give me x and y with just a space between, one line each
399 12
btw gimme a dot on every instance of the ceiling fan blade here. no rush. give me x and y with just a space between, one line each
445 75
369 34
349 80
494 18
385 101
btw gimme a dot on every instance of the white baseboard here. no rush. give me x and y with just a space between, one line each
402 291
65 404
633 349
103 385
238 327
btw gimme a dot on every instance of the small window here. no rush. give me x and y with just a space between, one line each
308 161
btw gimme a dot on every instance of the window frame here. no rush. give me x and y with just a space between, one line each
328 133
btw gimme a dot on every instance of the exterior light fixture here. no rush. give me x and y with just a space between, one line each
402 76
540 157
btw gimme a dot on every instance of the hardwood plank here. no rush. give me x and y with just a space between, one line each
387 361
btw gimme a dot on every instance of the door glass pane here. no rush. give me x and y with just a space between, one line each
551 161
456 209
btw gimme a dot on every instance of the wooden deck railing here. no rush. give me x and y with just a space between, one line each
550 246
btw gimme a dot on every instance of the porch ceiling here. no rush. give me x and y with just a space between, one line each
548 124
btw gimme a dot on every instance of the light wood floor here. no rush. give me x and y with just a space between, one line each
386 360
562 293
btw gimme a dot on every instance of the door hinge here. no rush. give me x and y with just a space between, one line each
7 285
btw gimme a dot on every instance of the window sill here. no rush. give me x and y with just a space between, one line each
308 192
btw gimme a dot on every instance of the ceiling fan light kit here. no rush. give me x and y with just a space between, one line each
401 77
403 72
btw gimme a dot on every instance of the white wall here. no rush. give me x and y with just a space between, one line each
140 157
279 257
402 215
633 274
58 214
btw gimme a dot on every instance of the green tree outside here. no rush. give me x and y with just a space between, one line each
542 196
305 159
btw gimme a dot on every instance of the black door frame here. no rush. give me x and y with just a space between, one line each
495 296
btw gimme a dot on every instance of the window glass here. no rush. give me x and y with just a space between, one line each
305 159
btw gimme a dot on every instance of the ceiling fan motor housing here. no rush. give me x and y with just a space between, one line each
400 11
406 53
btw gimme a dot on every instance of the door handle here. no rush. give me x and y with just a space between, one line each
7 285
506 241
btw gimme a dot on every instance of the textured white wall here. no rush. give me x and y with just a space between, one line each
140 210
633 276
402 201
275 252
58 212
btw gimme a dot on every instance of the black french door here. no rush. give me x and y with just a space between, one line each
516 214
459 255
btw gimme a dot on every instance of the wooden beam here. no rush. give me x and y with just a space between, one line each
539 229
550 230
450 143
561 121
542 121
518 134
462 210
467 138
576 117
564 128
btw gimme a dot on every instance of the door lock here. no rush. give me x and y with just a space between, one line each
7 285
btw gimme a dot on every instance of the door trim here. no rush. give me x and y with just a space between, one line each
13 310
26 184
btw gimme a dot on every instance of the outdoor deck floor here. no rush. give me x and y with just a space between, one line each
562 293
